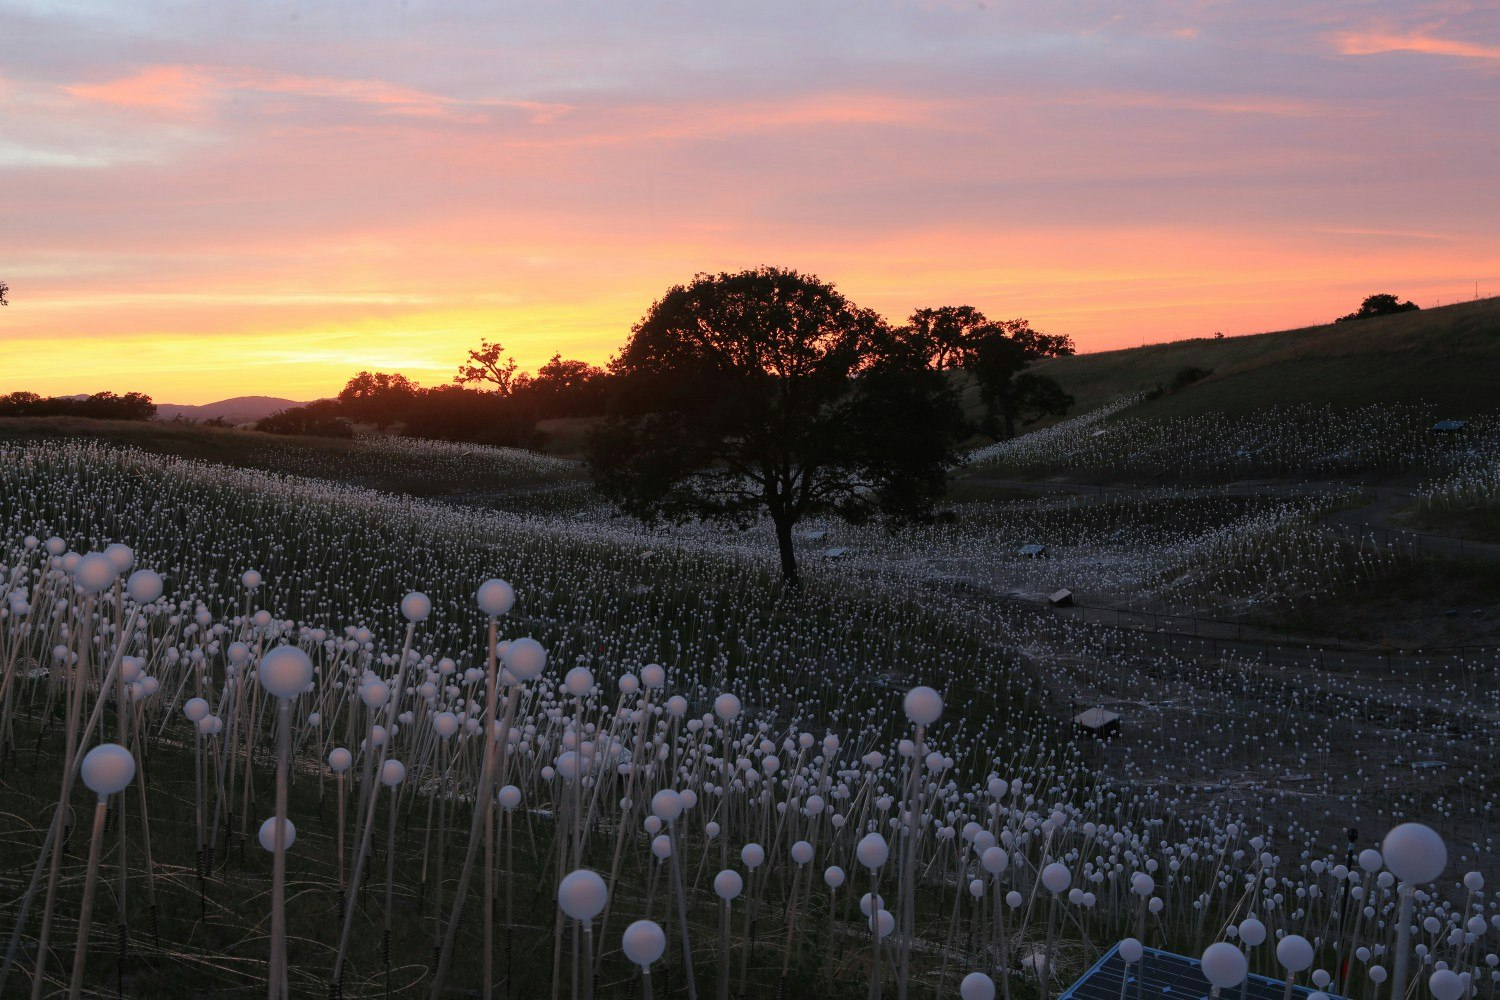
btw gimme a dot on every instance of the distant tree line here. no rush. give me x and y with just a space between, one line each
489 402
99 406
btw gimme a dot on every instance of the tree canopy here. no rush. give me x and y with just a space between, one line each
998 354
767 393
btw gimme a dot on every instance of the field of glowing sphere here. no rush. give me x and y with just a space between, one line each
268 730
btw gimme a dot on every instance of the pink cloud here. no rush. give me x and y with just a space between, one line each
1377 43
177 89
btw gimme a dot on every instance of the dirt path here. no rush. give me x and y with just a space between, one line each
1375 520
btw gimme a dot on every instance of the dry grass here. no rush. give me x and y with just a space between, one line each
1449 355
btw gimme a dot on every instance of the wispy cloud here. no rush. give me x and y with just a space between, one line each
181 89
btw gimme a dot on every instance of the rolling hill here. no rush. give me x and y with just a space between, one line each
1448 355
237 410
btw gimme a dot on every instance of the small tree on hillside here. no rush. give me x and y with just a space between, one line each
1380 305
766 392
3 289
487 365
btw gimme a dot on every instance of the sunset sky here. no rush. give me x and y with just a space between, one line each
201 200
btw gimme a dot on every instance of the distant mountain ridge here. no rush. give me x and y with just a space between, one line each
237 410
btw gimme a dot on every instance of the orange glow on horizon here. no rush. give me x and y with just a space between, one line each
268 206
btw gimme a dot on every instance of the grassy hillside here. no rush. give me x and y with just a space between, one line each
395 465
1449 355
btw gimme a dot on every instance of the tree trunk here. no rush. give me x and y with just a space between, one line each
788 554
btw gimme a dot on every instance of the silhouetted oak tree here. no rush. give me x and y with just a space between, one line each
998 355
1011 392
766 392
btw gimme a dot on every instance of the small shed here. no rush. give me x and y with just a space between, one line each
1098 722
1032 550
837 553
1449 426
1061 598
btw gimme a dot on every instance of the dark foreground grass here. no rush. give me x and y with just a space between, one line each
210 937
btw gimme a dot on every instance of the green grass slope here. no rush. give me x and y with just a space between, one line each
1448 355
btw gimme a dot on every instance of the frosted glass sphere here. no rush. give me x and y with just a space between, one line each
107 769
977 986
667 805
339 760
654 675
727 707
392 773
582 894
643 942
728 884
285 672
579 681
1131 950
1056 877
495 597
195 709
1414 853
662 847
525 659
994 860
510 797
1252 932
753 856
375 693
120 556
1294 952
415 607
833 876
923 705
1224 965
95 573
872 851
267 834
144 586
802 852
883 923
1445 985
251 579
445 723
